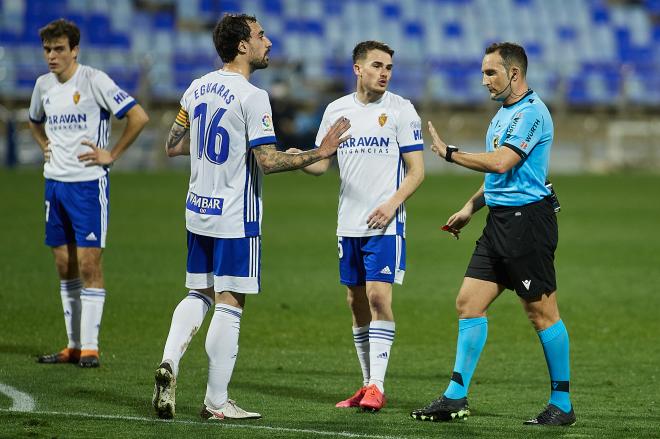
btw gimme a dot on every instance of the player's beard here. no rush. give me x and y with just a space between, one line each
259 63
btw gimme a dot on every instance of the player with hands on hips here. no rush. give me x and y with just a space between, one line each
70 120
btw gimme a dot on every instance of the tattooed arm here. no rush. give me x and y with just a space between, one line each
271 160
176 144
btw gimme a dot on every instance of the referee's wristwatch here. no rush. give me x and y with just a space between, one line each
451 149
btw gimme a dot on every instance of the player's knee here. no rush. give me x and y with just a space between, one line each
357 297
541 321
354 302
90 270
67 267
468 309
379 305
63 269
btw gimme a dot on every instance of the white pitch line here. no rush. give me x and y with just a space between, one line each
21 402
221 424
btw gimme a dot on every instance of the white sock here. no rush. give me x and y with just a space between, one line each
361 341
381 337
187 318
222 349
92 300
70 292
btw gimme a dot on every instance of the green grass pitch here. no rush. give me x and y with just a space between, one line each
296 357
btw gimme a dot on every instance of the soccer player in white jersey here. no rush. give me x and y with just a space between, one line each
231 144
70 120
380 166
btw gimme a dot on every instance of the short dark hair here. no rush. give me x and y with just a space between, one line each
61 28
360 51
230 30
511 53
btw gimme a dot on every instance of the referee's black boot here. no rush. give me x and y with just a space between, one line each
553 415
443 409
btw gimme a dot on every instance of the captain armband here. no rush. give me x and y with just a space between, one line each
182 119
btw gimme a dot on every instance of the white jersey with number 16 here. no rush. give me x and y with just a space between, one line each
227 117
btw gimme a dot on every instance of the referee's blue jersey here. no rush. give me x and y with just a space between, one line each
525 127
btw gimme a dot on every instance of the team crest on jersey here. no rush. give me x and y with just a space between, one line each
496 142
382 119
76 98
267 122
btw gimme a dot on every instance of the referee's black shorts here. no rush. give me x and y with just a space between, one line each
517 249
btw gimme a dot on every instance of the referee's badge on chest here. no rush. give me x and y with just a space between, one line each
76 97
382 119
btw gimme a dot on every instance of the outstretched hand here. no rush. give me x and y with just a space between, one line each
97 156
439 147
333 138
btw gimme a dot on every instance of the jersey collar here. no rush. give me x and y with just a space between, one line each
378 102
529 92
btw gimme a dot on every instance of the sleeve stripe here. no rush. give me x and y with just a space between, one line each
263 141
121 113
43 119
516 150
411 148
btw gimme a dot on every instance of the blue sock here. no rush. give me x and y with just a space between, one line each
555 347
472 335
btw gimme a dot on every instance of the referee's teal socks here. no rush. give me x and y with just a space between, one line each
555 347
472 335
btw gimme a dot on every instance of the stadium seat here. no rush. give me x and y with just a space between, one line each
564 39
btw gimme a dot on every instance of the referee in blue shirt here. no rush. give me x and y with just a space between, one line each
517 247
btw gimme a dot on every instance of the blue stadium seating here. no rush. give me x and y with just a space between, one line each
582 51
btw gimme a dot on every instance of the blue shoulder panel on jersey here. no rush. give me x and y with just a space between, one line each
411 148
121 113
262 141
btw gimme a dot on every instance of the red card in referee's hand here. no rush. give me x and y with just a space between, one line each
451 230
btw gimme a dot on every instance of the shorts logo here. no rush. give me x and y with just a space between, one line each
267 122
526 284
386 270
91 237
382 119
76 98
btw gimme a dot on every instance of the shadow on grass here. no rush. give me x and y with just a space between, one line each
135 405
22 349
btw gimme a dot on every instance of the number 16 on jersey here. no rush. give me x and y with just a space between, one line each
212 139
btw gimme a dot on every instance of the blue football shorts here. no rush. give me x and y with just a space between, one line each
379 258
226 264
77 212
